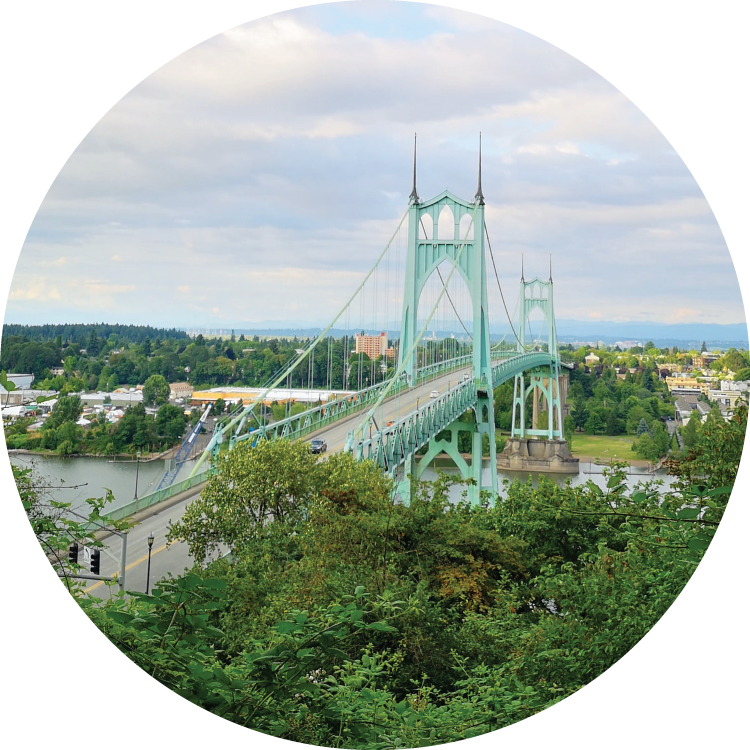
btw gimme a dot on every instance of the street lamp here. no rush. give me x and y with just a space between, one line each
150 541
137 466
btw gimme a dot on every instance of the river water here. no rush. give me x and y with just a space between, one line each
75 479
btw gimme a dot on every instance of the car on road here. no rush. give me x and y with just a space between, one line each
318 445
467 376
434 394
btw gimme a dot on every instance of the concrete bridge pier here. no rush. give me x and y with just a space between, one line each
533 454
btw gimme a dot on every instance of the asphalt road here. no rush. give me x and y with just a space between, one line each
175 558
393 409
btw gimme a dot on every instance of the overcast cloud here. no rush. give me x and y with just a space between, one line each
257 176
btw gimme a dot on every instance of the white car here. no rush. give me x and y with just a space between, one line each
434 394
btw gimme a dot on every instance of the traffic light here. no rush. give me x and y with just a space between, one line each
73 553
95 557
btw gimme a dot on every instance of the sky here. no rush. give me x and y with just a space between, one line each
255 178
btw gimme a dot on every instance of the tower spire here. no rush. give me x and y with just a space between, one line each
414 196
550 266
522 278
479 195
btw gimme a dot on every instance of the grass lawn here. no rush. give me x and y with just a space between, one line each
604 447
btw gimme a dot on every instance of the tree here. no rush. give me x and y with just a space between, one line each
661 439
67 409
691 429
155 391
253 485
595 424
569 429
170 422
642 428
55 524
219 406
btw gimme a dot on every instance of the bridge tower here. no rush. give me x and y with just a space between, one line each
544 382
429 244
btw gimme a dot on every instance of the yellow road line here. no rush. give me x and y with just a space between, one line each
127 567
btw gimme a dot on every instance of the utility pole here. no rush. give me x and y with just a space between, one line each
137 466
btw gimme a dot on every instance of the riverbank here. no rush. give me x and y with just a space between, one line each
126 457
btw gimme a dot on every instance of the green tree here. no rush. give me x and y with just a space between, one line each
67 409
691 429
56 527
569 431
595 424
155 391
252 486
661 439
170 422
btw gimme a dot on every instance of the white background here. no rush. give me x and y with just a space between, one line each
64 65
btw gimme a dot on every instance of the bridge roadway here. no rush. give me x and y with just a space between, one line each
175 558
392 409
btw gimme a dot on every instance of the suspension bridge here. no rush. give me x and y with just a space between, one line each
431 276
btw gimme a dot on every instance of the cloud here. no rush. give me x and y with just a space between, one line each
265 169
36 291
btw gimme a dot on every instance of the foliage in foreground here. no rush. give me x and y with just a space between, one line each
350 621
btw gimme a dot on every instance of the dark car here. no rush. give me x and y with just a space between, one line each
318 445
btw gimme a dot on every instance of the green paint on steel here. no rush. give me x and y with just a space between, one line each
537 295
462 246
153 498
397 445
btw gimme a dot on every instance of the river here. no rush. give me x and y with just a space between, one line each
75 479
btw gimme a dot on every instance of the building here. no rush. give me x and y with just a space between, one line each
180 390
735 385
706 359
278 395
591 359
55 371
21 381
725 397
117 398
685 405
372 346
680 386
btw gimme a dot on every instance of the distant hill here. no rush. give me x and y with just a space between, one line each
664 334
79 332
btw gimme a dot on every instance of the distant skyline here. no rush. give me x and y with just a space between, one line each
258 175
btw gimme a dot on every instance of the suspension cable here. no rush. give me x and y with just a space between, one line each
233 423
447 294
406 357
497 278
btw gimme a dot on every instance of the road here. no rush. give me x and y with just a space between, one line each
393 409
175 558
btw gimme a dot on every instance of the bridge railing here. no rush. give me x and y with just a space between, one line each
146 501
314 419
395 444
390 447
